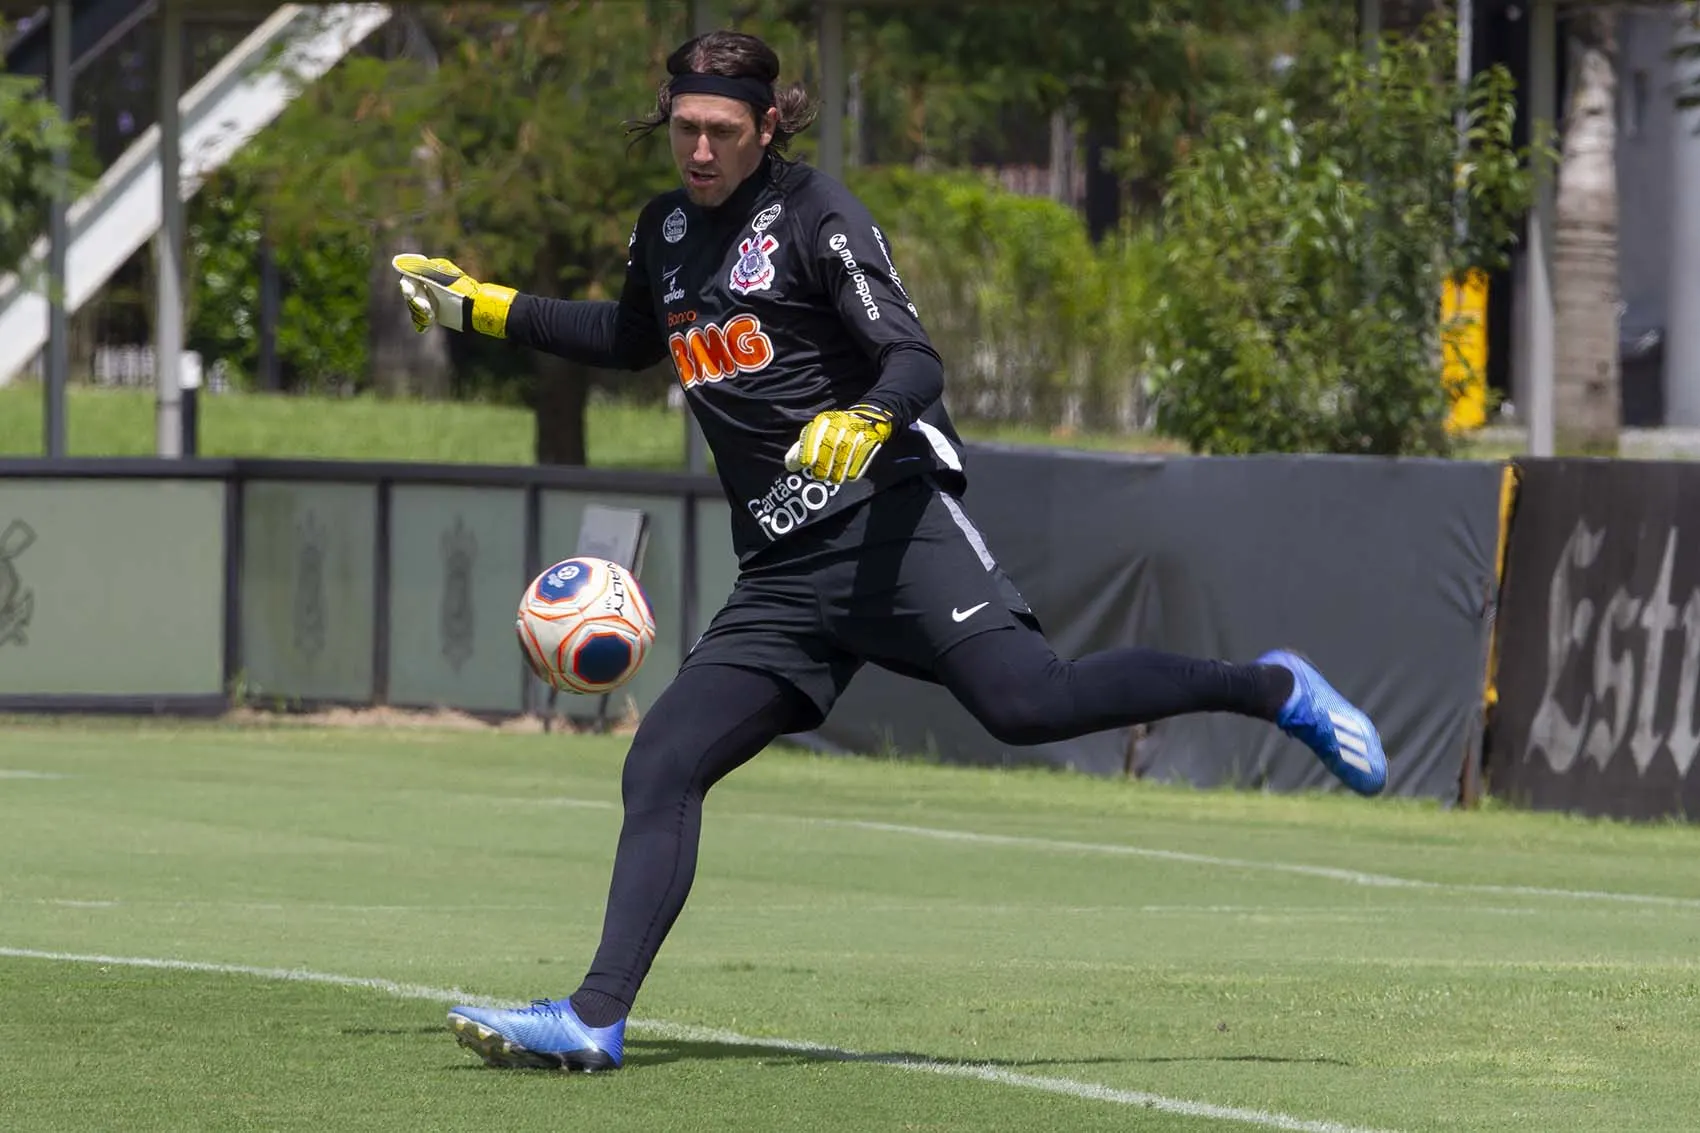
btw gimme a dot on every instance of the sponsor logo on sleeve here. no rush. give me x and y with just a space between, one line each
892 268
840 243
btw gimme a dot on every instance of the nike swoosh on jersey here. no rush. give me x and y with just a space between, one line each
964 615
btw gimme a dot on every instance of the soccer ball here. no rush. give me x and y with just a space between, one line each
584 625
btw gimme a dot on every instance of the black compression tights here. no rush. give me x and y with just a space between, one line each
715 718
711 720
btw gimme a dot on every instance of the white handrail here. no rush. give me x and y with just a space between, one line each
240 96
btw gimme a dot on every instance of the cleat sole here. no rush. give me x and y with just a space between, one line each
498 1051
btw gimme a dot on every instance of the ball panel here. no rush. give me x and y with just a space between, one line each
535 654
602 658
641 615
572 581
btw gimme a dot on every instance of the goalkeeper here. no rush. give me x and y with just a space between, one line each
774 293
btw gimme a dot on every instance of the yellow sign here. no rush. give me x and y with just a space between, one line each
1464 348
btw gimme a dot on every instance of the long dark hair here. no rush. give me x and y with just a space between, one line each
735 55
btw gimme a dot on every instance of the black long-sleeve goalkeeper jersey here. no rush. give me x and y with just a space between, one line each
776 306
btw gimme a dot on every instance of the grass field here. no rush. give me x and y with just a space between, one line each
120 422
212 927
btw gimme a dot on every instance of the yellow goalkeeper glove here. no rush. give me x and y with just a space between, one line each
838 444
438 292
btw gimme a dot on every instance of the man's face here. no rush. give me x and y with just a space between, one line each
716 144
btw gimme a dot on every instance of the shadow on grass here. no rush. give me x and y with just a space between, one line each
660 1052
655 1052
371 1032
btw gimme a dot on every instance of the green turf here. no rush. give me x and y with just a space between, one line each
120 422
475 861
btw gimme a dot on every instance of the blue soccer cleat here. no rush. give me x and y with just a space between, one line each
1330 725
545 1036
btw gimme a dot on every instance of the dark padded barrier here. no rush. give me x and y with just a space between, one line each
1384 572
1599 654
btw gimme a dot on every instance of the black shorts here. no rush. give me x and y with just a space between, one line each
894 582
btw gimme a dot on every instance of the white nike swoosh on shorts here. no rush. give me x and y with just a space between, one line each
964 615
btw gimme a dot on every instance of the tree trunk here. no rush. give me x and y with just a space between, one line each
559 388
558 400
1587 405
401 361
1103 187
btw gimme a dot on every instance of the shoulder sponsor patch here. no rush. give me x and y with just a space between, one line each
673 228
765 218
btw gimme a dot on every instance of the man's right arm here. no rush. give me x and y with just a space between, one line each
614 335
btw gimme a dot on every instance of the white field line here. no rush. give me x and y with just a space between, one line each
680 1032
268 906
1327 873
1002 909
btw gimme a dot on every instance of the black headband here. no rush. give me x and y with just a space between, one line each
743 88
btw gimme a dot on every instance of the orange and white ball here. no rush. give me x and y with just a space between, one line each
585 625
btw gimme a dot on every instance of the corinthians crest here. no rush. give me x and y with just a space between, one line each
17 605
754 270
460 551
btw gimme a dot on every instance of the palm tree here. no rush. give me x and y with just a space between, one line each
1587 405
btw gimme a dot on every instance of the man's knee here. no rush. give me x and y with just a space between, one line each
1017 692
1022 718
657 769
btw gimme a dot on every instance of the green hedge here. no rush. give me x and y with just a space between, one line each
1035 324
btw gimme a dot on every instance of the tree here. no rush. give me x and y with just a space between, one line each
1307 252
401 361
1034 322
30 131
1587 374
506 154
321 332
1138 75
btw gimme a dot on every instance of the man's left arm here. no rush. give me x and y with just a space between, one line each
856 269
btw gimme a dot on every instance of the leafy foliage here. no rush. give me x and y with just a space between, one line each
494 138
321 331
504 151
30 130
1033 321
1149 71
1307 255
1686 53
